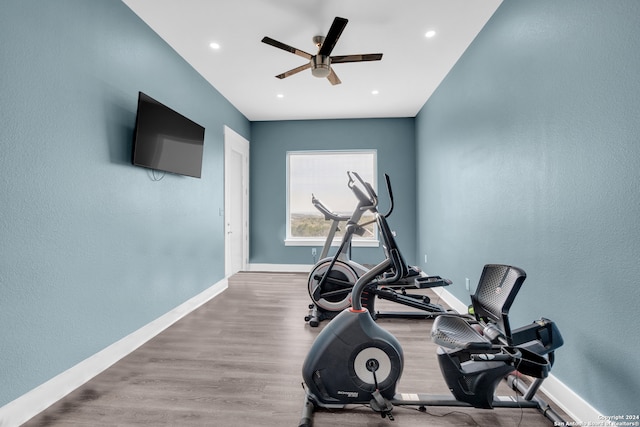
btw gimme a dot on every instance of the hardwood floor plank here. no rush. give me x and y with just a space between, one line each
237 361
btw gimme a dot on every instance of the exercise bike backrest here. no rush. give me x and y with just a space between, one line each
497 289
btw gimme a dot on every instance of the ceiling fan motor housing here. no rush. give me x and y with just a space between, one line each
320 66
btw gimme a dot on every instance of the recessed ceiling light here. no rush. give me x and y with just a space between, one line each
214 45
430 34
280 96
375 92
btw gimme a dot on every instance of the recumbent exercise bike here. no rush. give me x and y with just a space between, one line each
331 280
355 361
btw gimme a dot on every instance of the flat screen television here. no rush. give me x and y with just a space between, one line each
165 140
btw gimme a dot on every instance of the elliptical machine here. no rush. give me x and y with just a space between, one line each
355 361
331 280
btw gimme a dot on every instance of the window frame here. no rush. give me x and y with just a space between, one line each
356 241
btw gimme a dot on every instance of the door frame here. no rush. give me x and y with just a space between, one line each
236 142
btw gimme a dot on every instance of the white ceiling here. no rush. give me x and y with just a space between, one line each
243 69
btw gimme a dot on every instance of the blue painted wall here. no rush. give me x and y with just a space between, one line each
528 153
534 145
92 248
394 140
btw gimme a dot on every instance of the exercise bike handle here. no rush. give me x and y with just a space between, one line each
372 276
507 354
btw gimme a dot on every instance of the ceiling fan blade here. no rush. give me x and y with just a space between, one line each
332 36
356 58
333 78
294 71
279 45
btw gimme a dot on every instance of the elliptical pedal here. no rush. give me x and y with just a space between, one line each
424 282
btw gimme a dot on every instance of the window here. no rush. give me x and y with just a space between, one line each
324 174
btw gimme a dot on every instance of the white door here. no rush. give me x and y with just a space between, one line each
236 201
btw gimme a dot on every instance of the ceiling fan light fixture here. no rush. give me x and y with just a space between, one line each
320 66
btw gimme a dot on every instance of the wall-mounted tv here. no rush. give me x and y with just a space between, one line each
166 140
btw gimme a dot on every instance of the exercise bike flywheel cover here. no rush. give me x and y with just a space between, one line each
362 365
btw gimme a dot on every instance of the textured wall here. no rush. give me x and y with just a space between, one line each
92 248
394 140
533 142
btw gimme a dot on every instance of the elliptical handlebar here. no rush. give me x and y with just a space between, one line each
390 192
368 201
326 211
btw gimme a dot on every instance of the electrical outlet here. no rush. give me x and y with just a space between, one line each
425 258
313 252
466 283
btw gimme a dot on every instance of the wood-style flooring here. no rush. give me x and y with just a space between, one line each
236 361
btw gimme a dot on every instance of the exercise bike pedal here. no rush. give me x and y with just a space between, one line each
382 405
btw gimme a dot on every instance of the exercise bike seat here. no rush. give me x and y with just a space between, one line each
455 332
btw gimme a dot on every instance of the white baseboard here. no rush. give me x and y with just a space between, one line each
575 406
451 300
40 398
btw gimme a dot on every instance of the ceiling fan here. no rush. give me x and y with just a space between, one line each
320 63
